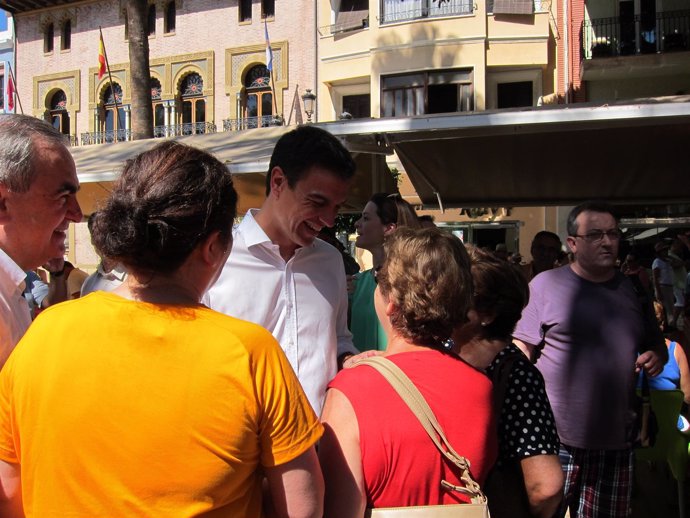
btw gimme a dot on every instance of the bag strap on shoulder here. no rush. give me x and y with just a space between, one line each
420 408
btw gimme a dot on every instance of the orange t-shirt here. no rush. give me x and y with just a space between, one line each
122 408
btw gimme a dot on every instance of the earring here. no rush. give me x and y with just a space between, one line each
484 324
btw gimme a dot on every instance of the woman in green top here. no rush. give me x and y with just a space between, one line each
381 216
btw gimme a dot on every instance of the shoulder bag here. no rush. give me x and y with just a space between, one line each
419 407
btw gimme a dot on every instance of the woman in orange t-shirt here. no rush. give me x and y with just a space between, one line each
142 401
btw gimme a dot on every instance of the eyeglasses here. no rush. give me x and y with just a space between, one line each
596 236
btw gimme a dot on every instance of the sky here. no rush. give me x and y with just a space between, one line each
3 20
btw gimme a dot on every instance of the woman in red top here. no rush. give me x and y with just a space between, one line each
375 452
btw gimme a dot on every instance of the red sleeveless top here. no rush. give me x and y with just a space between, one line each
401 465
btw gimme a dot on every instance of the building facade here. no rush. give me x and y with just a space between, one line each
393 58
208 63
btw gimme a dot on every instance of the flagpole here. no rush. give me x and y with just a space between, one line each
110 78
292 106
270 71
14 82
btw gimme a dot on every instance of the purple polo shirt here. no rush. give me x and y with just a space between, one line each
588 361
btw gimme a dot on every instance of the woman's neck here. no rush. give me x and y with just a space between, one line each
480 352
378 256
158 289
398 344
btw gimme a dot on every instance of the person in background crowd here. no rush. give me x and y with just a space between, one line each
35 292
351 266
427 221
662 277
515 258
637 274
527 480
38 186
142 401
73 279
382 214
677 262
374 452
544 249
283 278
501 251
585 326
108 275
676 373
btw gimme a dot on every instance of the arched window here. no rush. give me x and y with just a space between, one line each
113 120
193 104
158 108
152 20
48 36
258 102
59 116
170 13
66 43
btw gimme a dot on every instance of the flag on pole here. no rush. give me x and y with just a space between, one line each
10 92
269 51
101 57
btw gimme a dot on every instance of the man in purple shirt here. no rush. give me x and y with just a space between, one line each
592 326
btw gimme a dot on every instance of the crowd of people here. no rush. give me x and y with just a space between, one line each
212 369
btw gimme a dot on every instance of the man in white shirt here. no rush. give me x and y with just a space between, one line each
38 186
283 278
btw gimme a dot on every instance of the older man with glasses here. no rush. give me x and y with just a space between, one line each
590 326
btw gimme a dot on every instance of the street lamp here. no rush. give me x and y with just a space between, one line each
309 98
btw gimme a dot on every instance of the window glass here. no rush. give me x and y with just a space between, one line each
245 10
170 14
152 20
48 38
67 35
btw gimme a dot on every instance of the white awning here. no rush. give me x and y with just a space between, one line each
549 155
247 154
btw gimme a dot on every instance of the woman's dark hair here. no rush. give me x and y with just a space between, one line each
167 201
500 290
426 275
391 208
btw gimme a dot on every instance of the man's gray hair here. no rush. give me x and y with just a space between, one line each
18 136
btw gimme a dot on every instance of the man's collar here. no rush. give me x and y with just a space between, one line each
251 230
11 275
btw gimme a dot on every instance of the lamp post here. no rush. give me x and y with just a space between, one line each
308 99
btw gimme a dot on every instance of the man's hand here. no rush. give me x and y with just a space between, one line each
651 362
55 265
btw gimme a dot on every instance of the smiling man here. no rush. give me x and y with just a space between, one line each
592 327
38 186
279 275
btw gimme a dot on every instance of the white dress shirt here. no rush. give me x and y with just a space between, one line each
15 316
104 281
303 301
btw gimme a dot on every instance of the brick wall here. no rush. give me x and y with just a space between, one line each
202 26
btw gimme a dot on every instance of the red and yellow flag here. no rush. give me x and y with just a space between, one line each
101 58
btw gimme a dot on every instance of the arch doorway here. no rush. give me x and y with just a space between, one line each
258 100
193 113
59 116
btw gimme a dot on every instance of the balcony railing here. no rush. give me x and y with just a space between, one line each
105 137
174 130
397 11
640 34
252 122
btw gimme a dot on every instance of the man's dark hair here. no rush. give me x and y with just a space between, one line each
307 146
588 206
